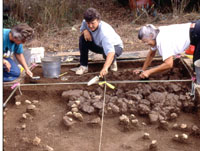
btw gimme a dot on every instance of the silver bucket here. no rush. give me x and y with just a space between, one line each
197 70
51 67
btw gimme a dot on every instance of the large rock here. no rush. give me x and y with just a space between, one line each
157 97
143 109
153 117
87 108
72 94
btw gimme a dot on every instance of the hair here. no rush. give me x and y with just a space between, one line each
22 32
91 14
148 31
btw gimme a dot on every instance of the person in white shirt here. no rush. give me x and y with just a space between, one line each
169 41
99 37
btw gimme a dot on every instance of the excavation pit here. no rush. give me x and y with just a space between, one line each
46 114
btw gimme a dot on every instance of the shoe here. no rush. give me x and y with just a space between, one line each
113 67
81 70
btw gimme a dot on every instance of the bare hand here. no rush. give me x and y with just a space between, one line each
28 72
7 65
87 35
103 72
137 71
145 74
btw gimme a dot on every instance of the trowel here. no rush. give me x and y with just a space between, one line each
94 80
35 78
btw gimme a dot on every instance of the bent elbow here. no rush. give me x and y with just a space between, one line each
170 65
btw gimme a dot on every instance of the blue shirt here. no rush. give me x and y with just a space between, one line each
104 36
10 47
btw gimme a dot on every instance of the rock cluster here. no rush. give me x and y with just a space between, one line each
158 102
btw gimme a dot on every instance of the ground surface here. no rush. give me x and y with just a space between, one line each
45 126
34 130
120 18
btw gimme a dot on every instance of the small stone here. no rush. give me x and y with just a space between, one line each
17 103
124 119
146 136
164 125
75 109
153 145
78 116
27 102
183 126
95 121
31 108
175 126
173 116
176 137
24 116
184 136
77 102
144 124
23 126
74 106
132 117
36 140
48 148
68 121
134 122
69 113
35 101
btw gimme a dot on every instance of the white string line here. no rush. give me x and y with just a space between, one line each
101 133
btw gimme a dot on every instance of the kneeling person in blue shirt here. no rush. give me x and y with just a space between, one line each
12 44
99 37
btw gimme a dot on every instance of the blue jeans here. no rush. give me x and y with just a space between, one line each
14 71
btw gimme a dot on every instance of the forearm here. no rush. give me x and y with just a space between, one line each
167 64
22 61
109 60
149 59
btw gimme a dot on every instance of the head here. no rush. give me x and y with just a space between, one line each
148 34
21 33
92 17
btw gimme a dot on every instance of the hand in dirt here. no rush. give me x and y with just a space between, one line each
137 71
28 72
7 65
103 72
87 35
145 74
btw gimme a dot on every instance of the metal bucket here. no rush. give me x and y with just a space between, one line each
51 67
197 70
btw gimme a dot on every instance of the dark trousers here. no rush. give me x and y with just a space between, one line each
195 40
85 46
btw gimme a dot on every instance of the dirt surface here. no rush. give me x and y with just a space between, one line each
68 117
119 17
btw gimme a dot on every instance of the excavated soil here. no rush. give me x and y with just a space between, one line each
68 117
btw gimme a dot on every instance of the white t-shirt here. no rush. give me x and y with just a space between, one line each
173 39
104 36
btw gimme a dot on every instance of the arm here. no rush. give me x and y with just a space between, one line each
22 61
167 64
147 62
109 60
7 64
87 35
149 59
